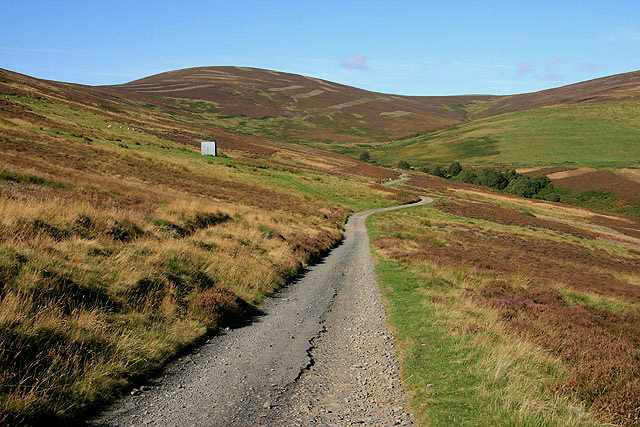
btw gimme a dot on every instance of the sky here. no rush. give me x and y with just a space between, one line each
402 47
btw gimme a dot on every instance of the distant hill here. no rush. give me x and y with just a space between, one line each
594 123
121 246
617 87
297 108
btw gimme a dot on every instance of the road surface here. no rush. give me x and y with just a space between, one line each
319 353
402 178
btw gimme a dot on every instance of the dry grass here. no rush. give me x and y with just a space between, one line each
120 248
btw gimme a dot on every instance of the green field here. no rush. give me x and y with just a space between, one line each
596 135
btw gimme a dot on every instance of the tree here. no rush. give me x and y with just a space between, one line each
468 176
492 178
512 174
365 156
522 186
439 171
403 164
525 186
454 169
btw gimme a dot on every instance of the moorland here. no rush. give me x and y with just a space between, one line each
122 247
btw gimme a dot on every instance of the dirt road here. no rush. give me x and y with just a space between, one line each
402 178
319 354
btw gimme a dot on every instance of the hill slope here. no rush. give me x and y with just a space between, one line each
296 108
595 123
617 87
120 245
592 123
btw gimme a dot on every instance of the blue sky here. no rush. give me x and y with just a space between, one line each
404 47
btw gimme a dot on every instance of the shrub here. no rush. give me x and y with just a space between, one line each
216 305
490 177
439 171
365 156
454 169
525 186
468 176
403 164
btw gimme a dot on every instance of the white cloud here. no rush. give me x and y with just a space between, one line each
355 62
549 74
524 68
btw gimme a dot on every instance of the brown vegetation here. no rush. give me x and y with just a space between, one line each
611 88
551 284
256 93
604 181
601 347
120 246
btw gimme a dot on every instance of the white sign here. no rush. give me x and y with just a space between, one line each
208 148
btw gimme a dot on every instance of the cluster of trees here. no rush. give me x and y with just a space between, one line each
512 182
403 164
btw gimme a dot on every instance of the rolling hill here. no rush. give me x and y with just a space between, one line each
121 246
594 123
293 107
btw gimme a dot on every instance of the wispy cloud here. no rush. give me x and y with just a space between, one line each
624 34
558 60
549 74
524 68
589 66
355 62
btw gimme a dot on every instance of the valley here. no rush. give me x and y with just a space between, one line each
122 249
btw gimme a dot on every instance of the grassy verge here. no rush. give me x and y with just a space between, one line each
489 320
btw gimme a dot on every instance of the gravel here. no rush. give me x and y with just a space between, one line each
318 353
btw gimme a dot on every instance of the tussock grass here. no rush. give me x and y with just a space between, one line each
93 298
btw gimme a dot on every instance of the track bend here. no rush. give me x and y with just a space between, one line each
319 354
402 178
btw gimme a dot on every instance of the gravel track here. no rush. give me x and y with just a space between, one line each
319 353
402 178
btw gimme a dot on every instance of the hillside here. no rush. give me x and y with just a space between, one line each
619 87
592 123
293 107
120 246
511 311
